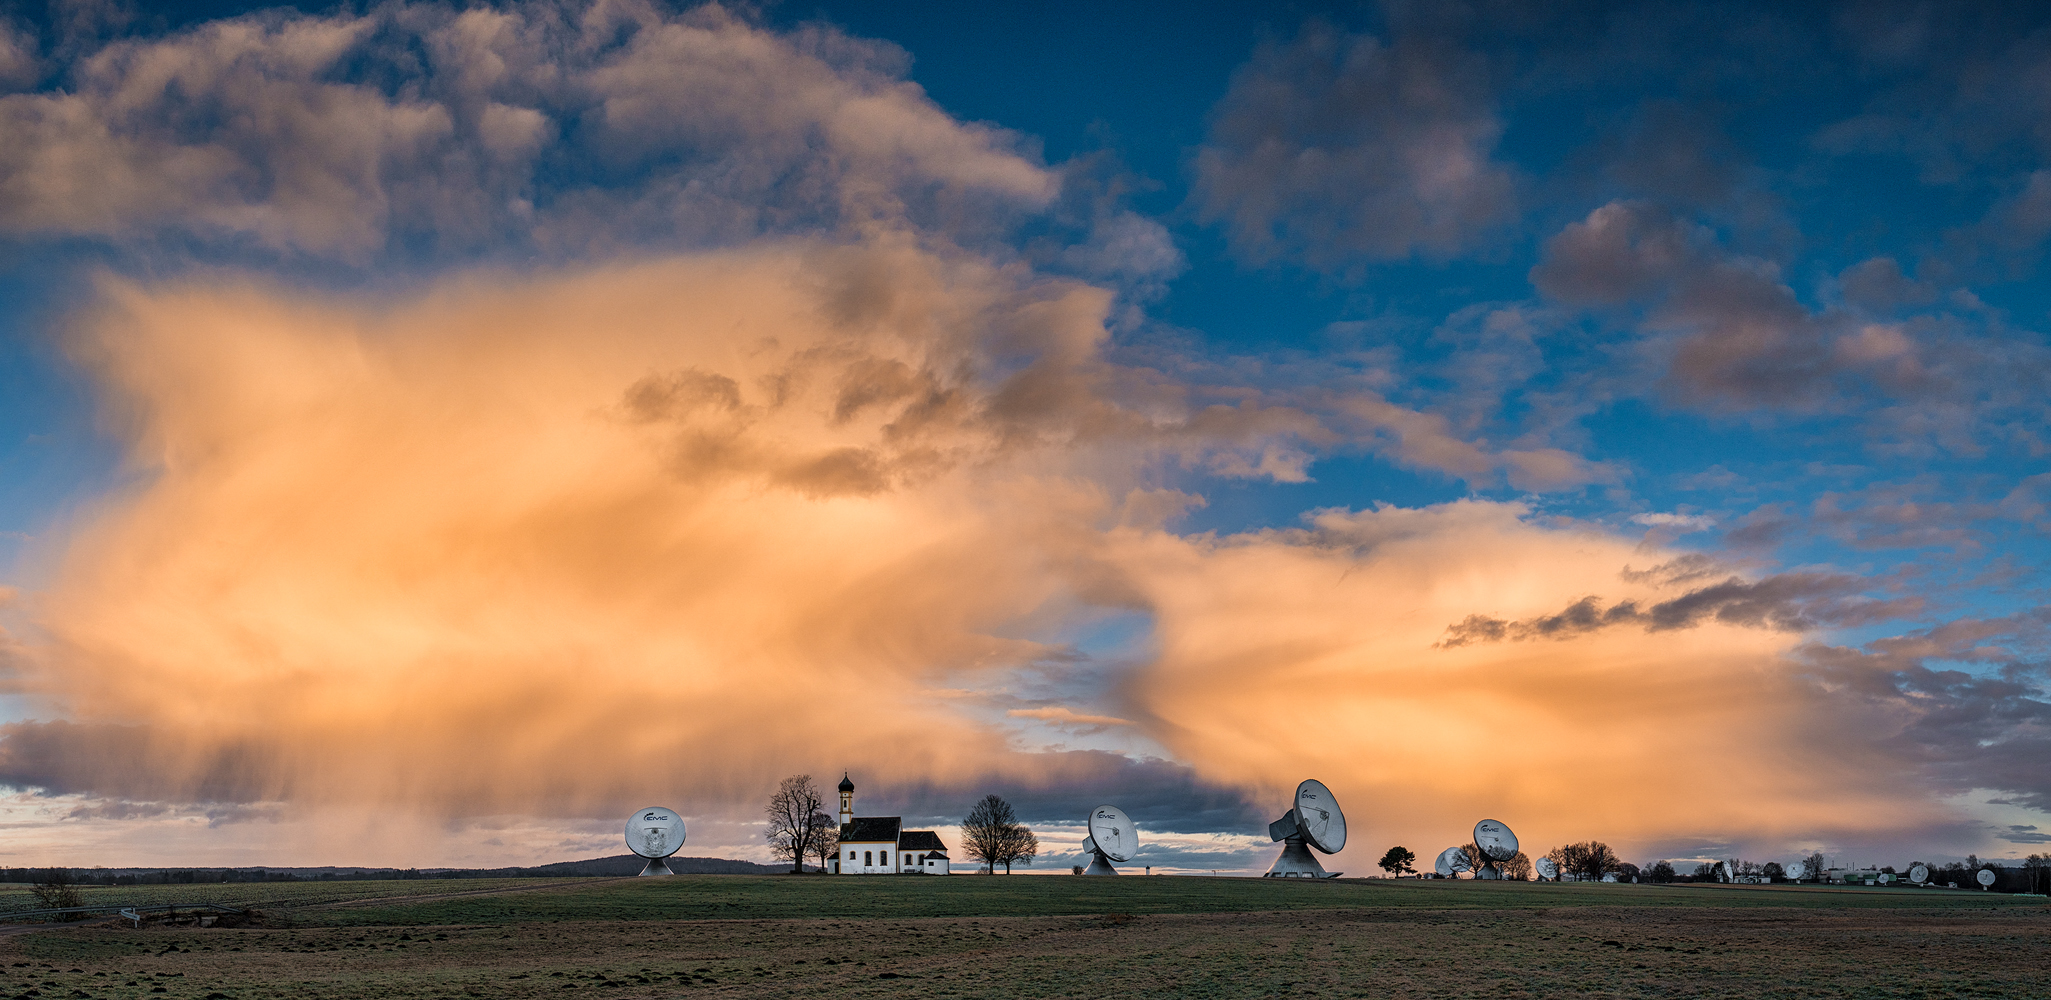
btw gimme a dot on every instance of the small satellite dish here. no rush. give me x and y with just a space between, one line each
1798 870
1985 877
1723 871
1313 819
1919 874
1112 838
1611 877
1886 877
1497 843
655 833
1546 869
1452 861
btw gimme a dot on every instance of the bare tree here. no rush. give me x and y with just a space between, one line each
1518 868
796 815
825 840
1591 860
57 891
993 835
1020 847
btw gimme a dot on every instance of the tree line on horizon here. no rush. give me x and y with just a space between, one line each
1592 860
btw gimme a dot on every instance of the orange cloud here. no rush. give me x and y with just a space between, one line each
533 544
522 543
1310 653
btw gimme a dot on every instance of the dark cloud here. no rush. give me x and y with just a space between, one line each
1789 602
1333 148
1065 784
1962 703
1877 285
132 773
1731 333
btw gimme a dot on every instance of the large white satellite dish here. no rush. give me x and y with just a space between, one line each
1496 843
1112 838
1723 872
1451 861
1314 819
655 833
1546 869
1919 874
1985 877
1798 871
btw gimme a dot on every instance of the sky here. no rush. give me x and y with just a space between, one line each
429 432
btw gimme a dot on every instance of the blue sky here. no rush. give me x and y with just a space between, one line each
1710 330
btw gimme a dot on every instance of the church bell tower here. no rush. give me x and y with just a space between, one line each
847 800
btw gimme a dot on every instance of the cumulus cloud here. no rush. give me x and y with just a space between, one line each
1724 328
1335 148
555 127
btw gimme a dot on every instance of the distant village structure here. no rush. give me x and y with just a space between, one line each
877 845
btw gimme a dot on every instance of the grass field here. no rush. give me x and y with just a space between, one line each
1054 937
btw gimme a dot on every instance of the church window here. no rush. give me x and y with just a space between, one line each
865 858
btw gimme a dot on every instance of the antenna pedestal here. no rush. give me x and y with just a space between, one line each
1100 865
1297 862
1489 871
657 866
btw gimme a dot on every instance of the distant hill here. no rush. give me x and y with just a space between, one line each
619 864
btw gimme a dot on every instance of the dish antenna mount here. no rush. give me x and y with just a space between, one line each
1314 820
1112 838
1452 861
1497 844
655 833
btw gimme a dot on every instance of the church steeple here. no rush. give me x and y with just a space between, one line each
847 800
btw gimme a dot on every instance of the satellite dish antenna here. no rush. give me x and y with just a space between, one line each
1452 861
1919 874
1112 838
1985 877
1611 877
1497 843
1546 869
1799 870
1315 820
1723 871
655 833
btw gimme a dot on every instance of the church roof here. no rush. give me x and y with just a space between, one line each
846 785
869 829
920 840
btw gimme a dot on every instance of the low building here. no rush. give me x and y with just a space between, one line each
879 845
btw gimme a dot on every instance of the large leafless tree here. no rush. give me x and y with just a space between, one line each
797 817
825 842
993 835
1589 860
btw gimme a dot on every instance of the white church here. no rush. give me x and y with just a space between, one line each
878 845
